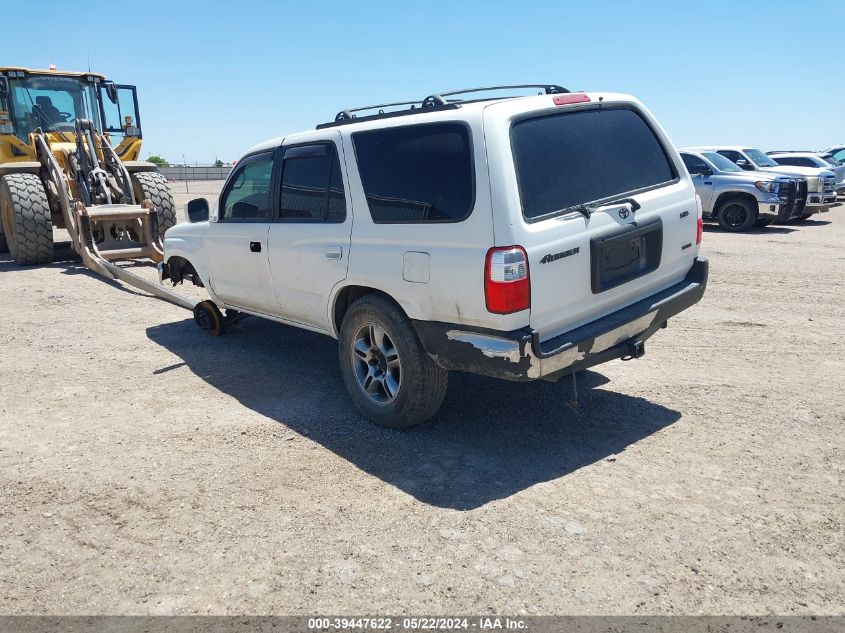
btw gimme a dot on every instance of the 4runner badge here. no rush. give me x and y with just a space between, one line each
552 257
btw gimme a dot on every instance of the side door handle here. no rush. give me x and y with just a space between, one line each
255 247
334 252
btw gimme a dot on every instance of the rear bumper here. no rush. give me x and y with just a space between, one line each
521 356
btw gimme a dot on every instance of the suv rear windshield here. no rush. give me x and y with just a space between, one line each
587 156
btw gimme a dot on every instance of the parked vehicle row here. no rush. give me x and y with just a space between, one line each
742 187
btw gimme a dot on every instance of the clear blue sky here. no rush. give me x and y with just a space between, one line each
216 77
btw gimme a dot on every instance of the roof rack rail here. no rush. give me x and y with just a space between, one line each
439 98
431 103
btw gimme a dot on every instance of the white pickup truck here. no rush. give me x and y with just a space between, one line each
517 237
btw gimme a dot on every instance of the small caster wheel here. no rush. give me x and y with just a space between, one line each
208 317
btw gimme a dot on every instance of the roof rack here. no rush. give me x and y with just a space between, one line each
431 103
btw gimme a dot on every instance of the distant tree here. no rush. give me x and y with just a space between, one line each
158 160
218 163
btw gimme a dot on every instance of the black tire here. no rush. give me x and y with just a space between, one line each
736 215
209 318
25 213
3 246
153 186
422 384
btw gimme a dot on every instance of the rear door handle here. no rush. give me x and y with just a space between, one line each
255 247
334 252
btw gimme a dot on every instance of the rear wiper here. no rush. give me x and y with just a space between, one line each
588 208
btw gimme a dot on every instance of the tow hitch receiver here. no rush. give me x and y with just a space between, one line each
636 349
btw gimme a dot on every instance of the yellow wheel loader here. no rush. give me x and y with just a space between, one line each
69 146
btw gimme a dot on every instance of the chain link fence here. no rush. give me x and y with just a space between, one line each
195 172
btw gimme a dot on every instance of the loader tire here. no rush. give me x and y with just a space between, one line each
3 247
25 214
153 186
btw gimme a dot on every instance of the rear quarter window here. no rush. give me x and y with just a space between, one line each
417 173
586 156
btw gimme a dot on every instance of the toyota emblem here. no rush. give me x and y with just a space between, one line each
624 213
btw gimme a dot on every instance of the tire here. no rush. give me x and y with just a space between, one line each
3 246
736 215
25 214
209 318
153 186
403 367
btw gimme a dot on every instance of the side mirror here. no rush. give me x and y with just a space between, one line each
197 210
4 87
744 164
111 91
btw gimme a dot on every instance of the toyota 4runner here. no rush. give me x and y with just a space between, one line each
516 237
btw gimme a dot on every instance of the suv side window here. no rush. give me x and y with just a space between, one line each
694 164
417 173
312 185
247 194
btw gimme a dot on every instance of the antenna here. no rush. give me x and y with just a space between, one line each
89 61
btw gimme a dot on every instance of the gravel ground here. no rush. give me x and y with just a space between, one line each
148 468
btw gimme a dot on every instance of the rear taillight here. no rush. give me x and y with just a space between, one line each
699 228
507 284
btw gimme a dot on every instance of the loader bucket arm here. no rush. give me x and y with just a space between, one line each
101 234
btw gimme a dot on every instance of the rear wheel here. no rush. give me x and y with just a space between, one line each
737 215
153 186
25 216
390 378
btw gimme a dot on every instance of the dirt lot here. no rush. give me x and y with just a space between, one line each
146 467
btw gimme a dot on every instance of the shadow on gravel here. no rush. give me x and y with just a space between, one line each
66 260
490 440
759 230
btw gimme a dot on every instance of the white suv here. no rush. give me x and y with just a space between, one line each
515 237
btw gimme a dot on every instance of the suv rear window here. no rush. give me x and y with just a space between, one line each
418 173
575 158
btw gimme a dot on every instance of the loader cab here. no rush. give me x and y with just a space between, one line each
53 102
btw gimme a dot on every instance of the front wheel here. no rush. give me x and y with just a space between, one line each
737 215
25 214
390 378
